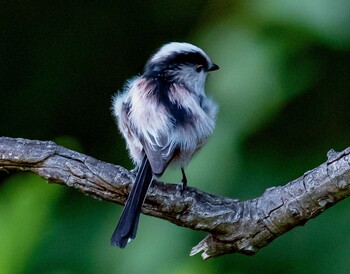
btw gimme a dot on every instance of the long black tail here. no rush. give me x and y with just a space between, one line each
128 222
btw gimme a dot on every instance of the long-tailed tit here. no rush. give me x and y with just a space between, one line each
165 117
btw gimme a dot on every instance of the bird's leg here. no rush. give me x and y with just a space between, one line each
184 179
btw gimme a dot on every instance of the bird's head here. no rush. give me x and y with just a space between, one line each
180 63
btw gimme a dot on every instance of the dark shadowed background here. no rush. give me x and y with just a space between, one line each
283 91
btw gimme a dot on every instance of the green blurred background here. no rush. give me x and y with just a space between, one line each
283 91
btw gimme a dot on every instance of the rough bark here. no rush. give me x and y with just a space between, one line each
233 225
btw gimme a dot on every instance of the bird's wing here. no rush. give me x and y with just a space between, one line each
170 124
159 154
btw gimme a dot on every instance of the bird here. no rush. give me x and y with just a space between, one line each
165 117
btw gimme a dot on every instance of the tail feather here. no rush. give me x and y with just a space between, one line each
128 222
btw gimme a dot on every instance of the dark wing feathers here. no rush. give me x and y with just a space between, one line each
158 154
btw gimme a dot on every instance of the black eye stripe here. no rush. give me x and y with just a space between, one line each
174 61
190 58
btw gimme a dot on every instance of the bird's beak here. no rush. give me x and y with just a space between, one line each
213 67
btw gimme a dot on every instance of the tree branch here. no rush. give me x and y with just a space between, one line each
233 225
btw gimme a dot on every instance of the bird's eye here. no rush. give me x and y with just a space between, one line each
199 68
